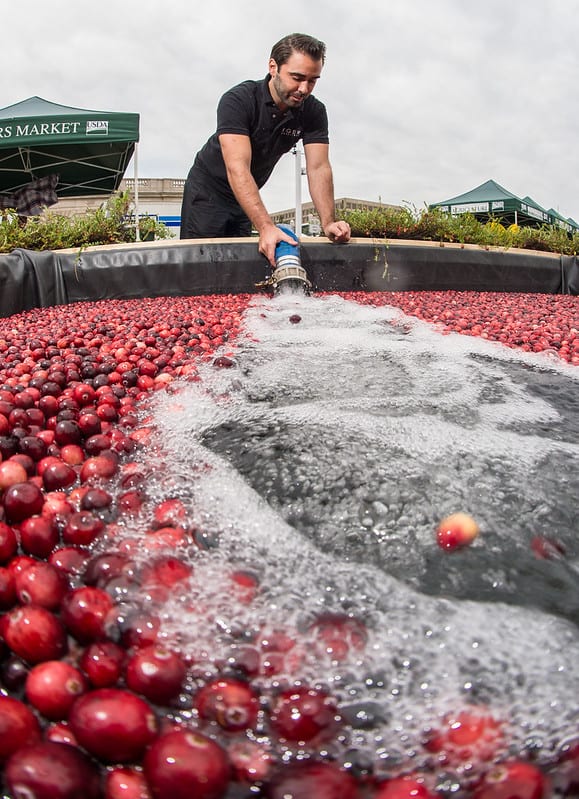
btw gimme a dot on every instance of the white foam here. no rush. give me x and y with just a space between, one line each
345 374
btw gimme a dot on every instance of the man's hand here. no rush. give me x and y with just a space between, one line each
338 232
268 239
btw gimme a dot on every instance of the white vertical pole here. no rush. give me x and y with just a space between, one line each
298 221
136 192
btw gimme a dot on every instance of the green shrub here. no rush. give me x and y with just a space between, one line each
111 223
437 225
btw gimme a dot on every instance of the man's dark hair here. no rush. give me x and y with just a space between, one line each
298 42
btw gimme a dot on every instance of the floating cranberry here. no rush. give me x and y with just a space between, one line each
34 634
103 663
307 780
182 764
404 788
12 472
22 500
49 770
98 467
303 714
38 535
7 589
82 528
113 725
126 783
8 542
513 779
231 703
156 673
18 726
84 611
41 584
52 688
456 531
58 475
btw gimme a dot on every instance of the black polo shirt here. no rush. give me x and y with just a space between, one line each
248 109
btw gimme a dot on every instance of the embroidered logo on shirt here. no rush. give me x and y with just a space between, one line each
291 131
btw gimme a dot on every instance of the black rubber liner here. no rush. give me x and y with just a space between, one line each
232 266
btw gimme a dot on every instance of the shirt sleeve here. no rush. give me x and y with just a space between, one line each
234 112
315 123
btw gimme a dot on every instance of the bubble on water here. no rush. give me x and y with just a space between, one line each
323 465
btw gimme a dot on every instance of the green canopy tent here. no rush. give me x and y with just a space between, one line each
491 199
88 150
568 224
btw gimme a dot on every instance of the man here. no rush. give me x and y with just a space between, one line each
257 122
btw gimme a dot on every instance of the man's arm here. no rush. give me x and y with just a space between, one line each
321 185
236 149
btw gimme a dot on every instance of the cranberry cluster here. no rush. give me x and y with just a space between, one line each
91 698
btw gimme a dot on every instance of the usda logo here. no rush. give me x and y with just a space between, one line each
98 126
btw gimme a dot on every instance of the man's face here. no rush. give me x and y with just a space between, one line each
291 83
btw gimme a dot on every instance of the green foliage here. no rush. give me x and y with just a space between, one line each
111 223
437 225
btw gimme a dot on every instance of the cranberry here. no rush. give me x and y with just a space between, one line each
8 542
69 560
22 500
156 673
7 589
113 724
513 779
58 475
18 726
41 584
38 535
82 528
404 788
49 770
34 634
231 703
303 714
84 612
126 783
307 780
12 472
183 763
52 687
99 466
103 663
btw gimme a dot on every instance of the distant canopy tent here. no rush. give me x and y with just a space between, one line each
492 200
88 151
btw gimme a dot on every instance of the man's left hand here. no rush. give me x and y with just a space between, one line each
338 232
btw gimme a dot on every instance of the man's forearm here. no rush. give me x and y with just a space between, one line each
321 185
247 195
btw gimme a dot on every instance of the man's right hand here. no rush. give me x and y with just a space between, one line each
269 236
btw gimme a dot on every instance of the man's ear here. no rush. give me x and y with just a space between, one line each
272 67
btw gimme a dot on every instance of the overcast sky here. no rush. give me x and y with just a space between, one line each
426 98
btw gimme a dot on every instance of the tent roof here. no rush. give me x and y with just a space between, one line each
89 150
491 198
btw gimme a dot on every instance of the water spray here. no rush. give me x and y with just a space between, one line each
289 276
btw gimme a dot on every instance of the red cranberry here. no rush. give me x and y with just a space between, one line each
7 589
84 612
156 673
34 634
512 779
183 763
231 703
69 560
18 726
8 542
96 499
67 432
103 663
57 476
126 783
302 714
307 780
38 536
113 725
49 770
82 528
404 788
41 584
22 500
98 467
52 688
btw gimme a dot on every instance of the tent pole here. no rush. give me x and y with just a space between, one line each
516 219
136 192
